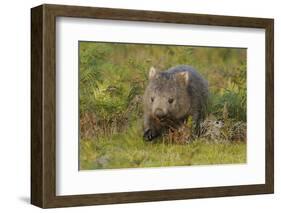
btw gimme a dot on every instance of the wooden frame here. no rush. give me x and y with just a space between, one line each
43 110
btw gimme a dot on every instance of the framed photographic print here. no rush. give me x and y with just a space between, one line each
136 106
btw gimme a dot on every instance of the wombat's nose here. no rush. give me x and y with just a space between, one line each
160 113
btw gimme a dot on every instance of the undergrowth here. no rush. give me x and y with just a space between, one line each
112 81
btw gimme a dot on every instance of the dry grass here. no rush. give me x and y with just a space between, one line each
128 150
112 81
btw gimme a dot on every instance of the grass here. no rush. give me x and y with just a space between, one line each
128 150
112 81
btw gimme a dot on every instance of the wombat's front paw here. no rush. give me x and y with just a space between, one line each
149 134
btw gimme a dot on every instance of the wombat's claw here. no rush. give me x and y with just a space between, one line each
148 135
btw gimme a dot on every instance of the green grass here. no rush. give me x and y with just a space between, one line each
112 80
128 150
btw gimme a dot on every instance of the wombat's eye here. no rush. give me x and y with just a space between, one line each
171 100
152 99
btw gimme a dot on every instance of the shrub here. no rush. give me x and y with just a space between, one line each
112 79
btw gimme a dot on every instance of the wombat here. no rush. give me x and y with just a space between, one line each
171 97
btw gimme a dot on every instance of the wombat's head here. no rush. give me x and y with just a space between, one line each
166 96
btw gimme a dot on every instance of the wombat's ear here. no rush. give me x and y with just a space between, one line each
183 76
152 72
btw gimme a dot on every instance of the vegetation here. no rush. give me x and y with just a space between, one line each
112 81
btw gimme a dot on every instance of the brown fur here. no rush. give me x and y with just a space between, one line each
171 97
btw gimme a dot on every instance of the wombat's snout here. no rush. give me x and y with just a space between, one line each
159 113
